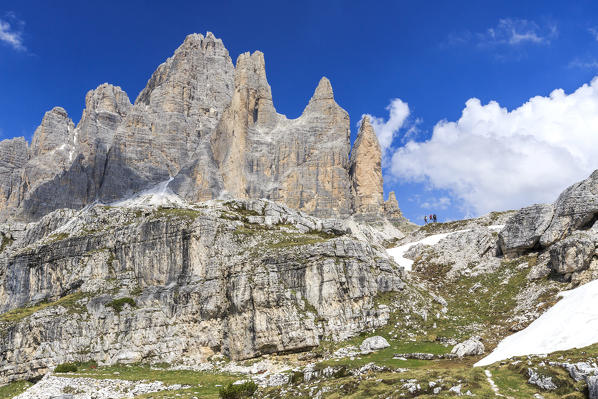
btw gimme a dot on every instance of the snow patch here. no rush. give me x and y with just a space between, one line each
398 253
158 195
570 323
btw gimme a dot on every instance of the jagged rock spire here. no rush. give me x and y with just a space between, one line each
366 171
391 207
54 131
323 91
214 129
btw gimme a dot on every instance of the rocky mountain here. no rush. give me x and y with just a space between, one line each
197 243
208 126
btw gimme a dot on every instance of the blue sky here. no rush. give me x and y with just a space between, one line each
433 56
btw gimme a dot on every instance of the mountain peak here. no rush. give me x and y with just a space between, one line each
324 90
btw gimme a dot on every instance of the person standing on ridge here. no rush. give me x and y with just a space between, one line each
435 220
425 219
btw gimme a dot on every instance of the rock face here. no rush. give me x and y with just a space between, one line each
523 231
592 387
146 283
572 254
207 127
566 230
366 171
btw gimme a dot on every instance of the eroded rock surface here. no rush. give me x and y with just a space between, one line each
566 230
207 127
131 284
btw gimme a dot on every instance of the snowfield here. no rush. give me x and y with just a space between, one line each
156 196
398 253
570 323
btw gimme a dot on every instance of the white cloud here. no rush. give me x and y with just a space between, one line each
495 159
509 32
11 31
594 32
584 63
518 31
432 203
387 130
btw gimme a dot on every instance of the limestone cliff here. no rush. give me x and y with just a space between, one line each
209 128
132 283
366 170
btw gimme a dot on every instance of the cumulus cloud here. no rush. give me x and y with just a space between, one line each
11 31
495 159
435 203
387 130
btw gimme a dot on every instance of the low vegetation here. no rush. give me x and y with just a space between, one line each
66 368
13 389
119 304
69 301
199 384
238 391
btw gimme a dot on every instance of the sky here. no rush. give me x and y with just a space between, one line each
477 109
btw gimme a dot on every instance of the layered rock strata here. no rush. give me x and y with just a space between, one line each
152 284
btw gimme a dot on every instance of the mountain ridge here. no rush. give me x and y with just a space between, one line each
208 124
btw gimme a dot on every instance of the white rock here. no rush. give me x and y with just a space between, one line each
373 343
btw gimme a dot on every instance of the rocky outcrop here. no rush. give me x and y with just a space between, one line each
130 284
592 382
471 347
391 207
208 128
565 231
523 230
374 343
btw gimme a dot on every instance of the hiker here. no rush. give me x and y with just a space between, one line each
435 220
425 220
430 218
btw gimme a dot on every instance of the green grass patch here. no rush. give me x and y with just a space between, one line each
180 213
202 384
118 304
66 368
295 239
68 301
6 241
238 391
13 389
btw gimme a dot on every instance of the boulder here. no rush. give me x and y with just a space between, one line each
541 381
572 254
471 347
580 371
523 230
373 344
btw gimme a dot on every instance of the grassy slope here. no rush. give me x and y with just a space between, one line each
202 384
